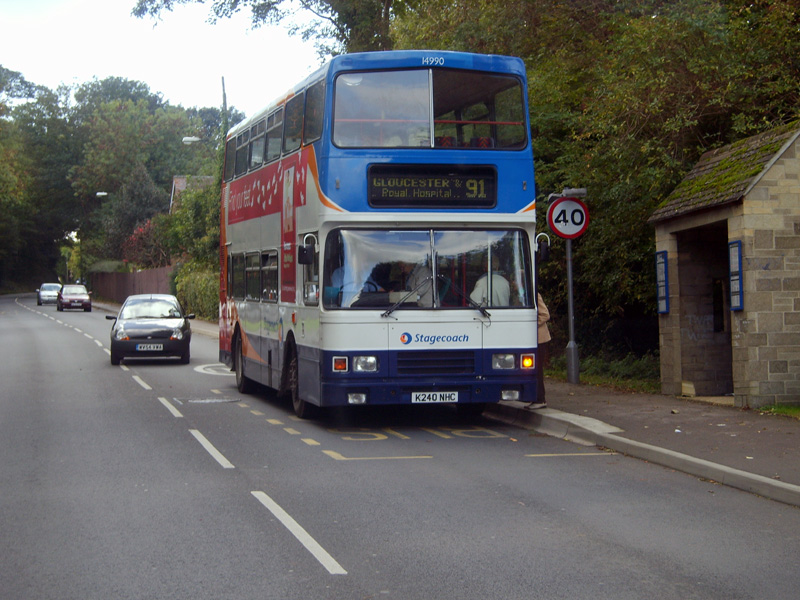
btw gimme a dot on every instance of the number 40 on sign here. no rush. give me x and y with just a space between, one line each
568 217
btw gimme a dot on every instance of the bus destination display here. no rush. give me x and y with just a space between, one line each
432 186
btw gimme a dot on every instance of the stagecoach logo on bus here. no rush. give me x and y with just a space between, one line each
431 340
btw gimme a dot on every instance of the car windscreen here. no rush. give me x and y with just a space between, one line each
73 289
150 309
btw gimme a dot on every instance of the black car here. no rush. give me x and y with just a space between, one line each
150 325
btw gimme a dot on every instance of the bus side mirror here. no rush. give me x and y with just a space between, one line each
305 254
543 251
542 248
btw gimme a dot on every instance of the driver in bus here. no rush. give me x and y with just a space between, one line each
417 277
501 290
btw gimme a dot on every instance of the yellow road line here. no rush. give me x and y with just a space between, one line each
337 456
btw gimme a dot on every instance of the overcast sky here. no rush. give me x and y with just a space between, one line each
182 57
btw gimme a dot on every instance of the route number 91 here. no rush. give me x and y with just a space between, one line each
476 188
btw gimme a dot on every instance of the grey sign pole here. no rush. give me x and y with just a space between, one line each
569 223
573 362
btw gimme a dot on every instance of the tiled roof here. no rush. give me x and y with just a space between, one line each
725 175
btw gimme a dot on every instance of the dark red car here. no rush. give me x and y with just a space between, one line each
74 295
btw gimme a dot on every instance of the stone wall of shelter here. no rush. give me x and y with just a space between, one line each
766 334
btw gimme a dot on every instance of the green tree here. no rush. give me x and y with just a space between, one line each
624 97
336 25
58 149
145 247
138 200
193 228
41 210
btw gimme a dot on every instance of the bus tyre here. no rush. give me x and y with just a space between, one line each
302 409
243 384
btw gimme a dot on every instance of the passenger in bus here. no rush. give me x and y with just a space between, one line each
417 277
501 290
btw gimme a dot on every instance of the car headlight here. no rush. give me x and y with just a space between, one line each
503 361
365 364
120 335
177 334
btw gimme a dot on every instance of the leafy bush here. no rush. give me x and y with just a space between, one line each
197 288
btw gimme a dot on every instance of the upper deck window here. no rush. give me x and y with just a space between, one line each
293 124
436 108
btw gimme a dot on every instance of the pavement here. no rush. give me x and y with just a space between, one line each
737 447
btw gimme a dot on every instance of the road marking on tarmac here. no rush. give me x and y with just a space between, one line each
175 412
554 455
336 456
325 559
209 447
141 382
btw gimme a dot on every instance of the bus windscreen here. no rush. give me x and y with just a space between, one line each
380 268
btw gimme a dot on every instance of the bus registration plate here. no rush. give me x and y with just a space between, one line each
433 397
149 347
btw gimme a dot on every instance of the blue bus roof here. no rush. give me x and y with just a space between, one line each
396 59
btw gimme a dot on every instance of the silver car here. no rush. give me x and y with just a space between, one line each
47 293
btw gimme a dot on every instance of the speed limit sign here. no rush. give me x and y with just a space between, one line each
568 217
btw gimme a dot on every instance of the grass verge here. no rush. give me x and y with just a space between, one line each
786 410
632 373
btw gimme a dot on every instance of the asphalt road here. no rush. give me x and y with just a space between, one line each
160 480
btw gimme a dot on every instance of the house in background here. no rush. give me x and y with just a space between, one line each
728 266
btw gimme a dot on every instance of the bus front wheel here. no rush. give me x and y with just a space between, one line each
302 409
243 383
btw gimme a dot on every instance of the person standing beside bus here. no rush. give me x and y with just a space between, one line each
543 316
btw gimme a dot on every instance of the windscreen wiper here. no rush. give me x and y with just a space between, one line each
469 300
397 304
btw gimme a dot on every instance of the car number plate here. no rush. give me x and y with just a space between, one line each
149 347
433 397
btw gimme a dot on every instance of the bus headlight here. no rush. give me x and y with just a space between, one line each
365 364
503 361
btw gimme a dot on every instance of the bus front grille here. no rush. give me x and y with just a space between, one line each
440 362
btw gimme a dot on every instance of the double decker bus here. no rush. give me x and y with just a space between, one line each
377 236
